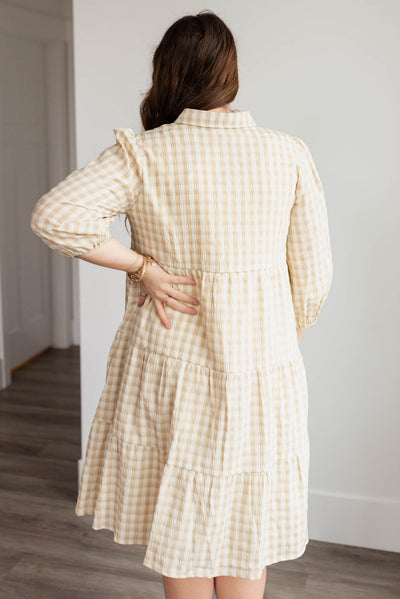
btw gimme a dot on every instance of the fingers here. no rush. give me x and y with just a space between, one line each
180 295
173 303
174 298
182 279
159 306
184 297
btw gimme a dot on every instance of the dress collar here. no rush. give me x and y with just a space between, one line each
209 118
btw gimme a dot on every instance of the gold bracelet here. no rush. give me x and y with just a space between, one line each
137 256
136 276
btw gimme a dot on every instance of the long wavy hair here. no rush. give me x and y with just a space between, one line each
194 66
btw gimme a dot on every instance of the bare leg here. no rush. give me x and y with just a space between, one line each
188 588
231 587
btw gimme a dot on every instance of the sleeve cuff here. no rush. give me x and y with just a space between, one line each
306 322
101 241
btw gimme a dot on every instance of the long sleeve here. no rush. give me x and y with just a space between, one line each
309 255
74 216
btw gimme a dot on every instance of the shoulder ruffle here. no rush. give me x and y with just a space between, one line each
126 137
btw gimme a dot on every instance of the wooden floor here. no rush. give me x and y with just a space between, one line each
47 552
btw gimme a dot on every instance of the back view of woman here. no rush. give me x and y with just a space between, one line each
199 447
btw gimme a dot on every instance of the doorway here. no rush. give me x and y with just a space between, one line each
38 287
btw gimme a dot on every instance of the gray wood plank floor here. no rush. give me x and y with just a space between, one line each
46 552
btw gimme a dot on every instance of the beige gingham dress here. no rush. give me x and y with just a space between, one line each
199 447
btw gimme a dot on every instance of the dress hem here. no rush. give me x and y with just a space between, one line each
225 570
154 563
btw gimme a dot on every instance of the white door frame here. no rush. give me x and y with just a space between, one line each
56 35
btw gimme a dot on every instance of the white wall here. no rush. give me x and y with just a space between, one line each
327 73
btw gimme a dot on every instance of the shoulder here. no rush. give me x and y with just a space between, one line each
302 149
282 137
291 145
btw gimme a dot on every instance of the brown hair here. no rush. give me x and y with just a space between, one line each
194 66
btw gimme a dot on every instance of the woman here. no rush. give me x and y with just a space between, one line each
199 446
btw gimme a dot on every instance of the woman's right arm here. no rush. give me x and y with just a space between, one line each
308 249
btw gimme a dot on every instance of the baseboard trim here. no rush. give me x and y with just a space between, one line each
370 522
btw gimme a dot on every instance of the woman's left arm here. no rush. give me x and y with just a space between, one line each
114 254
74 217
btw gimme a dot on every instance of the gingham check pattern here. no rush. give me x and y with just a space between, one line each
199 447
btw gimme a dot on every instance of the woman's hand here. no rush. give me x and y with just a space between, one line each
158 283
300 333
